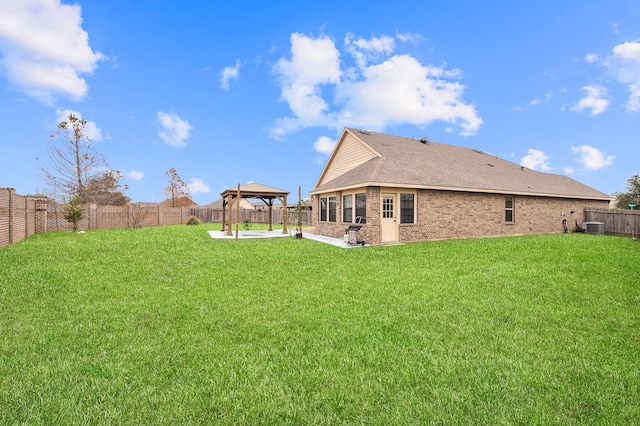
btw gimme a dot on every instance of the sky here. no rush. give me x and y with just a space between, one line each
231 92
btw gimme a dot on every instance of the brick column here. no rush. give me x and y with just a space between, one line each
40 226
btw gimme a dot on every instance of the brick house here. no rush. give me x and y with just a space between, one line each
403 189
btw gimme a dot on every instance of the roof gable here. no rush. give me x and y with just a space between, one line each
349 152
407 162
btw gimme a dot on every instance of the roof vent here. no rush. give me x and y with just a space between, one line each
364 132
424 140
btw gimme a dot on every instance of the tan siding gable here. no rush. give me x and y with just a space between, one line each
350 153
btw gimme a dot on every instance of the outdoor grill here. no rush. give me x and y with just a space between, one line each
352 233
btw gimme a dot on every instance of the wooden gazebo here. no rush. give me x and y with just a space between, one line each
252 190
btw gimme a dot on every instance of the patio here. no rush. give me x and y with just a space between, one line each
246 234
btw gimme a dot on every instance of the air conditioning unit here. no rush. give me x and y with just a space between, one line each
593 227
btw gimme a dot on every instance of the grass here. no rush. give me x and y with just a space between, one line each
168 326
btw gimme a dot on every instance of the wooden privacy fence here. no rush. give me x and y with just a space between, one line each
616 222
207 215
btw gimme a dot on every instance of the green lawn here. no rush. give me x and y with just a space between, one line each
168 326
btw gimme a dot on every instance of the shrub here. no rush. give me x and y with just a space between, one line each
193 221
74 212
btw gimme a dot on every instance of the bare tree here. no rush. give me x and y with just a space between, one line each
176 189
138 214
103 188
76 168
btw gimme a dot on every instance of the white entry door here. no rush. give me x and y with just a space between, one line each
389 223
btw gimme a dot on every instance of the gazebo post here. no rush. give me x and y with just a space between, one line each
238 210
228 231
285 214
224 210
270 204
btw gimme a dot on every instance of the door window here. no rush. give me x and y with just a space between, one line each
387 207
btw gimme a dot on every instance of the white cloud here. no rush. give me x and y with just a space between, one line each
198 186
596 100
625 66
134 175
401 90
364 51
314 63
547 97
173 131
409 37
228 74
569 170
536 160
324 145
615 27
43 49
591 158
395 90
91 130
591 58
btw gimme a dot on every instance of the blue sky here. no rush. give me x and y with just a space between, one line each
238 91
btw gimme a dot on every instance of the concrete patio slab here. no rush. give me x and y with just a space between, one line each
245 234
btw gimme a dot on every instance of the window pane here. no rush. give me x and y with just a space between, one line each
347 208
387 207
406 208
508 202
332 209
508 209
361 207
323 209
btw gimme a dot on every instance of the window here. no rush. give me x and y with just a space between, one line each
332 209
327 209
406 208
361 207
323 209
387 207
508 209
347 208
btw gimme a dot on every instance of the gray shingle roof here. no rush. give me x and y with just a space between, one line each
408 162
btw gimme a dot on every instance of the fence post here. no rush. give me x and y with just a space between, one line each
11 220
26 217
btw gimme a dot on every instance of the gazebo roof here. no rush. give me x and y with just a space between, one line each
255 190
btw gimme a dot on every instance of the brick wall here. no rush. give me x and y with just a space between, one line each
97 216
18 216
22 216
452 214
447 214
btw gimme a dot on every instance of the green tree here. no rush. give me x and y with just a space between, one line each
75 168
74 212
632 196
